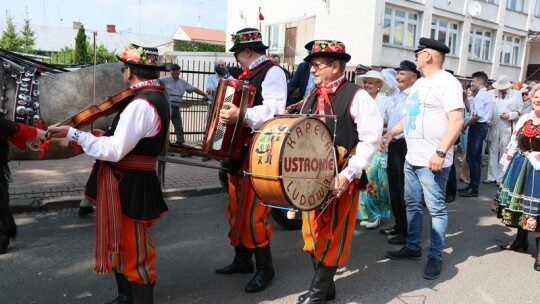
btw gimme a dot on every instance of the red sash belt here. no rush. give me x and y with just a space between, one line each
108 207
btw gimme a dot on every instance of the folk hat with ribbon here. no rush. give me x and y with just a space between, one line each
502 83
375 75
139 56
247 38
327 48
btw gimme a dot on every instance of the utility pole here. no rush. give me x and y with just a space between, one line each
200 4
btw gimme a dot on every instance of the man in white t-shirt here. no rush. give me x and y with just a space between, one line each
431 125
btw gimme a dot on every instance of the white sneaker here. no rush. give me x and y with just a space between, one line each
373 224
363 223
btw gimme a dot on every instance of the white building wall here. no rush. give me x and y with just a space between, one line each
361 29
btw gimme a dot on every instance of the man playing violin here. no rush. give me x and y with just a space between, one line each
123 183
328 232
253 233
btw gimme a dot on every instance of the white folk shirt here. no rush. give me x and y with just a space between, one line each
138 120
429 101
274 94
369 125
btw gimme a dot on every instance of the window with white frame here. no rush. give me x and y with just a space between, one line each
518 5
480 42
273 36
511 48
400 27
537 9
445 31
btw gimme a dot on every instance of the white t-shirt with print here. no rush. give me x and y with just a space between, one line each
425 120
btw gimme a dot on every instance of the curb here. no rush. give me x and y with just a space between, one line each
41 205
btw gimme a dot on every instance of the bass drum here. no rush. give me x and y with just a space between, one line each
292 162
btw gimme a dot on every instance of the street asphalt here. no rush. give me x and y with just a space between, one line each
51 259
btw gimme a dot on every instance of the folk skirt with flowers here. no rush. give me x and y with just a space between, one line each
374 203
518 197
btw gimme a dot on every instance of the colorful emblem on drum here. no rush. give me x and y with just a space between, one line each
299 163
267 142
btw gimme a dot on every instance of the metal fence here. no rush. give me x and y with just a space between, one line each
194 109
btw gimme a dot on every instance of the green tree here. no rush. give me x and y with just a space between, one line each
10 40
102 54
27 40
81 46
64 56
195 46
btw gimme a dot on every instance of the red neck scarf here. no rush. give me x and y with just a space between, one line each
244 74
323 100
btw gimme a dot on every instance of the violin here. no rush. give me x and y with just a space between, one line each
93 112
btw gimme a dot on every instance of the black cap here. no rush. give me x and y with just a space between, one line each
174 66
428 43
407 65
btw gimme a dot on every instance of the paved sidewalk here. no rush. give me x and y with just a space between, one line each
60 183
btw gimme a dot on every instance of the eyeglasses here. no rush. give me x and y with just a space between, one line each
237 52
418 54
320 66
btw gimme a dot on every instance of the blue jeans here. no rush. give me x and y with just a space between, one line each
475 141
433 186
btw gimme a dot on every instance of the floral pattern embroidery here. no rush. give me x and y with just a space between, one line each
328 46
138 55
246 37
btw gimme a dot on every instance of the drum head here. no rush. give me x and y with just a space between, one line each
307 163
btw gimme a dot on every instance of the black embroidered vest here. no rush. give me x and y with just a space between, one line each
346 134
140 191
255 78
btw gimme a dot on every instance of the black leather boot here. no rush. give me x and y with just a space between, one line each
330 294
242 262
520 243
323 278
4 243
125 295
143 293
265 271
537 260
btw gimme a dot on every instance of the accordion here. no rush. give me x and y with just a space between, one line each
225 141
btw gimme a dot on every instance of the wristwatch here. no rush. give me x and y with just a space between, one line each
441 154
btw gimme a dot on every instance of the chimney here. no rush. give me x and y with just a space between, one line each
111 28
76 25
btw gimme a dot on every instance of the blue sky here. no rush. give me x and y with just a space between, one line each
145 16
